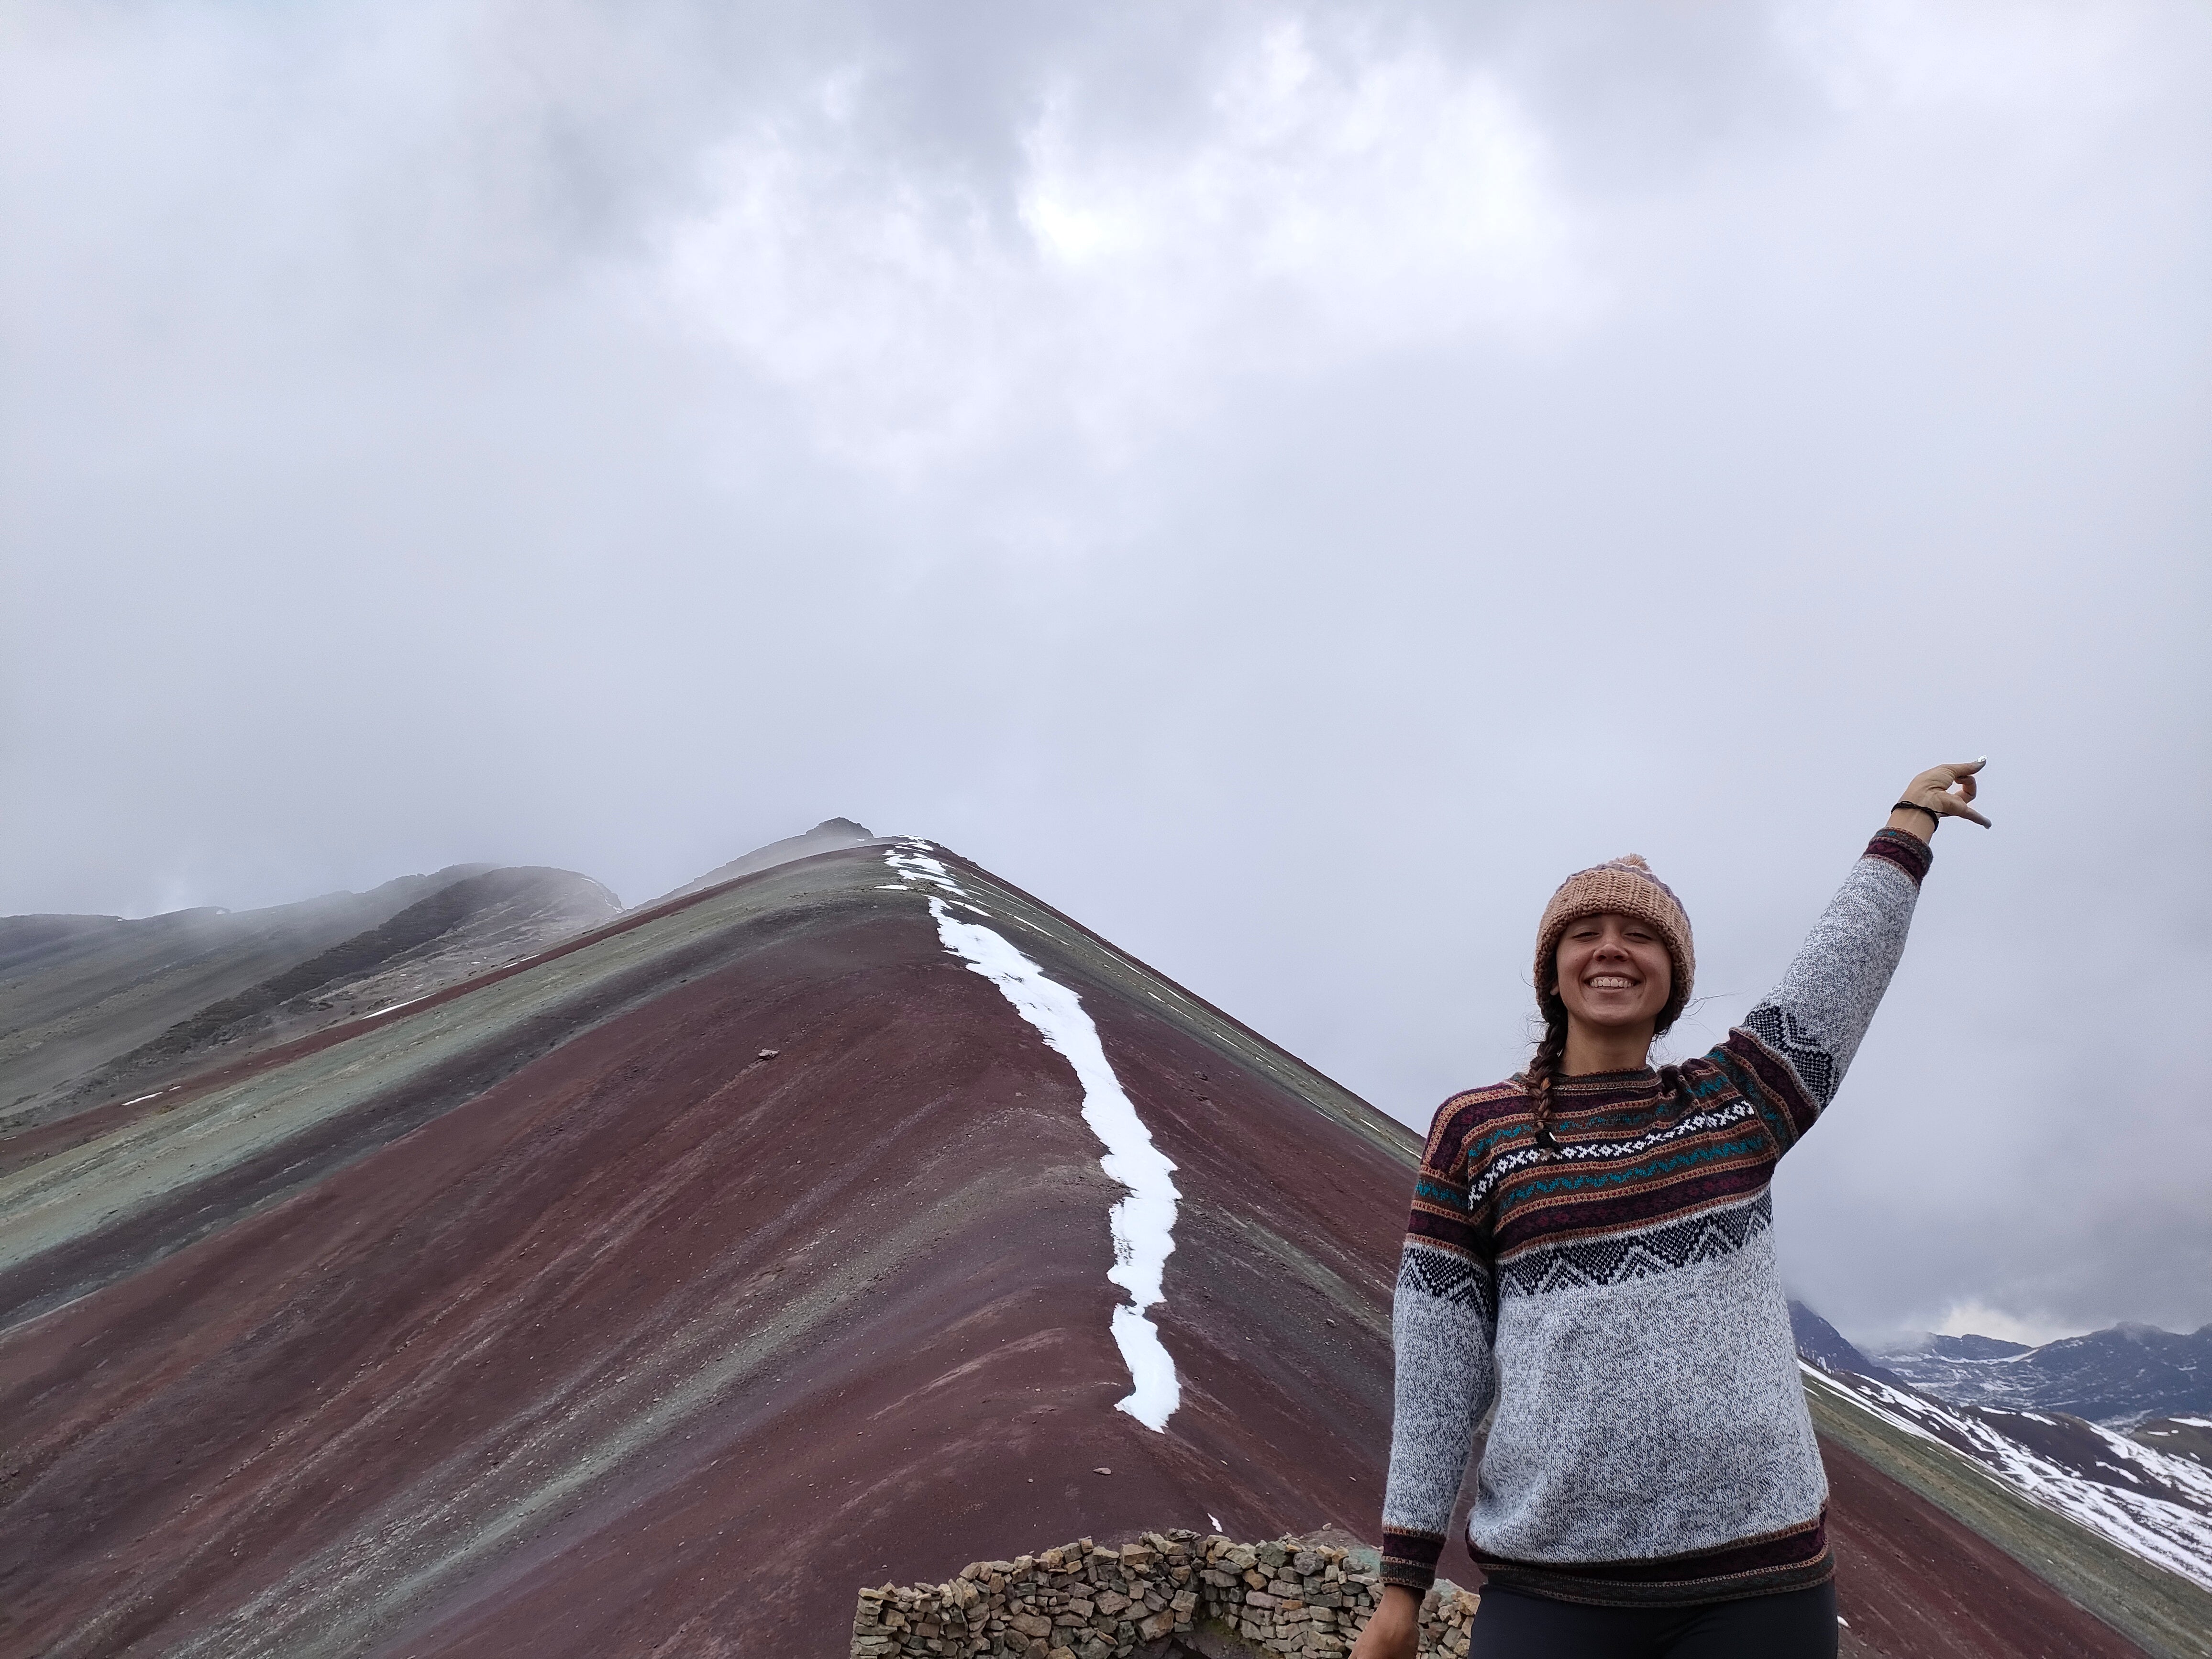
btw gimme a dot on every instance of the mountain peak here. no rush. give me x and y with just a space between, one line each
1823 1345
826 837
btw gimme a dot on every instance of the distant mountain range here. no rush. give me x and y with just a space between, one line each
2119 1377
2131 1377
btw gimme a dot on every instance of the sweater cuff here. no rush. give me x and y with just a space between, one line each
1409 1558
1904 849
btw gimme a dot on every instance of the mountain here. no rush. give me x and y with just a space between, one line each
825 837
1821 1343
76 992
2118 1378
2149 1503
1972 1349
96 1008
2178 1436
851 1219
747 1248
2157 1505
2033 1486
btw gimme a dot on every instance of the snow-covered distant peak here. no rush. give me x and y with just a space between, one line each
2119 1377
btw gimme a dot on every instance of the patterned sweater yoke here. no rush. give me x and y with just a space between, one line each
1612 1307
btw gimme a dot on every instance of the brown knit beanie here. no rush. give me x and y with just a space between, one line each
1624 886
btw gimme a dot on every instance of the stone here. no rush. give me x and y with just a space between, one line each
1084 1601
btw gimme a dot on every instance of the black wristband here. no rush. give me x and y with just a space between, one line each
1933 817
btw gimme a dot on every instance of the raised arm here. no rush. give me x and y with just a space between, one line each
1813 1021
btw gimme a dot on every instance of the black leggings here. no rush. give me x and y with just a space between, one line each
1796 1625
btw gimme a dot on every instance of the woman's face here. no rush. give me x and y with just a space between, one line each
1613 971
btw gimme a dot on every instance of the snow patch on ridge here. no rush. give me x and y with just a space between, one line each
1143 1222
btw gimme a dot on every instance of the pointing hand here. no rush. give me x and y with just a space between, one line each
1941 791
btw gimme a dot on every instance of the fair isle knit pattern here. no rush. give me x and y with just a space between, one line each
1612 1307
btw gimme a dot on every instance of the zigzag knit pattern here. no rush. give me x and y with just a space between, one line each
1447 1279
1617 1258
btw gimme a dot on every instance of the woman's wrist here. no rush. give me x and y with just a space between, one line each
1919 821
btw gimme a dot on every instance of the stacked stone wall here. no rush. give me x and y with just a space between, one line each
1167 1594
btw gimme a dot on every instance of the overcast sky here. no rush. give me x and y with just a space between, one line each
1284 484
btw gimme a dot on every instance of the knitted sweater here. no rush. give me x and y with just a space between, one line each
1616 1301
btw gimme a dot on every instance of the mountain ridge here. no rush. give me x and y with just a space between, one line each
2118 1376
648 1294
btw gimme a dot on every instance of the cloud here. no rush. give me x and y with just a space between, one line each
1284 485
1329 199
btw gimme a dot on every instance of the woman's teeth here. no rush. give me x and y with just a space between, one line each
1608 982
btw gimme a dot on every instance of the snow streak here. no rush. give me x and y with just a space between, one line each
1143 1222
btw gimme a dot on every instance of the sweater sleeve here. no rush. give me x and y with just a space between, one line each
1444 1324
1795 1047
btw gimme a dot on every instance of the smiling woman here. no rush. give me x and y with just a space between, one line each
1591 1265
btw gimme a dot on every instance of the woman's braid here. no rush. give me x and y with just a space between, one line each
1545 1066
